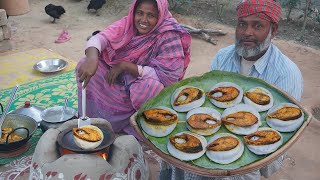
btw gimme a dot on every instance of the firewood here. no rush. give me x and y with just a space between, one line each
204 33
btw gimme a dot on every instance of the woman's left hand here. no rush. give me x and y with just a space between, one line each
117 69
114 72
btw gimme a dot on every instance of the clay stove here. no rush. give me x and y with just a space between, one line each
125 159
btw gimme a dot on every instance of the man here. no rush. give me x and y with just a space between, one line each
253 54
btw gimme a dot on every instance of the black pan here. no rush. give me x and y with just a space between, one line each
65 140
22 125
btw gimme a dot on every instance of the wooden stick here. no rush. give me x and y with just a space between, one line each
208 31
204 33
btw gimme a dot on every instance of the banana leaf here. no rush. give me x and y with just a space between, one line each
205 82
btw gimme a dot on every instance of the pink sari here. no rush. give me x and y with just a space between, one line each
166 49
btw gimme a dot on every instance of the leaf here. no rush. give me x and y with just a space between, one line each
205 82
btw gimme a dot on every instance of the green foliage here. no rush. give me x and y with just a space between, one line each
313 13
175 4
221 6
290 5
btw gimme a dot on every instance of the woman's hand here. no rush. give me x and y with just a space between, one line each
89 67
117 69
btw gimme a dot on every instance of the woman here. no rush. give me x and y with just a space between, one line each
131 61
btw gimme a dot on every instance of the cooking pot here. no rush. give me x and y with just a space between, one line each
22 125
30 110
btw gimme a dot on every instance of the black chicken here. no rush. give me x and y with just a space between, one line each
54 11
94 33
96 4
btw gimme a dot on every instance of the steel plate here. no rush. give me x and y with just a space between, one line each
50 65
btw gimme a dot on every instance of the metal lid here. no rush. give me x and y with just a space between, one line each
30 110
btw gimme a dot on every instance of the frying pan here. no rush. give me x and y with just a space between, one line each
65 140
22 125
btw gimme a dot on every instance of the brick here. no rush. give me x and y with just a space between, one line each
3 17
5 45
6 32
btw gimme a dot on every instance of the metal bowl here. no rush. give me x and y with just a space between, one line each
57 114
50 65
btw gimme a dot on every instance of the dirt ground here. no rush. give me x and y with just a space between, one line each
34 30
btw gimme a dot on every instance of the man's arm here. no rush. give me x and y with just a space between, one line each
292 84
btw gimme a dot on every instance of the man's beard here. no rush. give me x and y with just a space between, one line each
250 52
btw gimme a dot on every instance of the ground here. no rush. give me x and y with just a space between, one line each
34 30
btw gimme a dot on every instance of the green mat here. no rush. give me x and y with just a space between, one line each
42 93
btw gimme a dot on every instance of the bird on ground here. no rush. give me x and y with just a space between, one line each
96 4
54 11
94 33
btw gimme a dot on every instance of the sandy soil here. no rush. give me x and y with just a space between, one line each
34 30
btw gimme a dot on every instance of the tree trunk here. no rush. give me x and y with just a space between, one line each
308 3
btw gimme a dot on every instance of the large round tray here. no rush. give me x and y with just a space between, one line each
203 166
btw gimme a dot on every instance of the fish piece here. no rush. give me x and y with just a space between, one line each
186 143
262 137
187 96
203 121
258 98
241 119
160 116
286 113
6 130
224 143
13 136
223 94
87 134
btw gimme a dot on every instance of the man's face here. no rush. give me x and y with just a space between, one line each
253 35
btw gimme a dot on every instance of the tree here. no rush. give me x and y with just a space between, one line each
174 4
290 5
306 10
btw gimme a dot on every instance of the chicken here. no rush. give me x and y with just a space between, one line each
96 4
94 33
54 11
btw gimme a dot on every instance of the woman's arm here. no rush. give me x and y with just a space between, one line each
89 67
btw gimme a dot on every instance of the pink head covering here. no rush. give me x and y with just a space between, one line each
264 9
122 31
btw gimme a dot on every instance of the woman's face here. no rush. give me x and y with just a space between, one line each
146 17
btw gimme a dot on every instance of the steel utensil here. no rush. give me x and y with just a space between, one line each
84 120
50 65
6 109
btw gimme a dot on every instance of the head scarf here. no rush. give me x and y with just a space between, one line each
122 33
264 9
